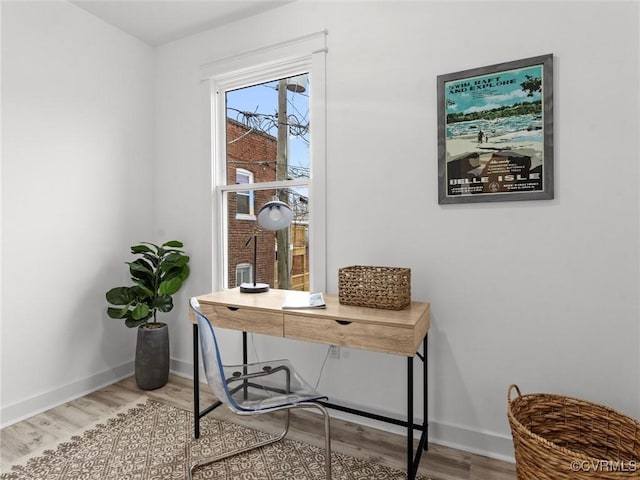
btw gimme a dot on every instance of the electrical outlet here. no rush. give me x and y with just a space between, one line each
334 351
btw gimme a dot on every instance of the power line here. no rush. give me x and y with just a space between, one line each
265 123
294 171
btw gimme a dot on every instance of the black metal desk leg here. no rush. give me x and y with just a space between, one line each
425 396
410 472
245 360
196 384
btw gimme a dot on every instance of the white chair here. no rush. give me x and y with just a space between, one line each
254 389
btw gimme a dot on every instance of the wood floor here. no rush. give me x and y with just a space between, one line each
47 429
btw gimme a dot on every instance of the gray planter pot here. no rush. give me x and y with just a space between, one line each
152 356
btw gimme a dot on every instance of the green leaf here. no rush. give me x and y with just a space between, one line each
141 278
144 292
140 265
144 278
117 313
171 286
140 312
120 296
165 268
185 273
152 259
176 258
171 273
141 249
163 303
141 270
131 323
173 244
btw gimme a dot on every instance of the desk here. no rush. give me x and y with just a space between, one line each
397 332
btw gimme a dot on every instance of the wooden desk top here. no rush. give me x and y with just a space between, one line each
390 331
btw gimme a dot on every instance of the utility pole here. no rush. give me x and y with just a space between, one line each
282 165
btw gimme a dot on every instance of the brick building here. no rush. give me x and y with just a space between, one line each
251 157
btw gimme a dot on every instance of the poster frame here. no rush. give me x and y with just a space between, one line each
451 193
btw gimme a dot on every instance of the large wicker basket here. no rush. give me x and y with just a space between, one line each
377 287
564 438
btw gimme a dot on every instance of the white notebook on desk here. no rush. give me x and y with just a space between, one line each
298 300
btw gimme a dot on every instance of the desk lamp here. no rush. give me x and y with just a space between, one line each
274 215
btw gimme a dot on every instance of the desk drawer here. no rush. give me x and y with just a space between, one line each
380 338
248 320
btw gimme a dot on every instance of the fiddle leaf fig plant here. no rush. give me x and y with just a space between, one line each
157 274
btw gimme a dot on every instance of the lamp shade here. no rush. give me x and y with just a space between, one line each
275 215
297 84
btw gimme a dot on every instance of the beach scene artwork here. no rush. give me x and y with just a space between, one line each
494 133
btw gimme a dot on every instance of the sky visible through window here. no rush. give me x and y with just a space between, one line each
257 106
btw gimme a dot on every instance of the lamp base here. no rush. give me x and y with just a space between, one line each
251 288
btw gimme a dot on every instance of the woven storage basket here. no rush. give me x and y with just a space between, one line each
377 287
564 438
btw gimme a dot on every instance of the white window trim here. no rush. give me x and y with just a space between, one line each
285 59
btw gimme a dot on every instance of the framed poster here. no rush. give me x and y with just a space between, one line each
495 132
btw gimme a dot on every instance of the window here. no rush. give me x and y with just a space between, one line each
268 124
268 134
244 200
244 273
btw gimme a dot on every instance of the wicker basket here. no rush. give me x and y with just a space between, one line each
563 438
377 287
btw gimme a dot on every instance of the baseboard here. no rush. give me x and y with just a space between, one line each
183 369
488 444
29 407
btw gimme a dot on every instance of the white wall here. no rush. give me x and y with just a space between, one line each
77 144
544 294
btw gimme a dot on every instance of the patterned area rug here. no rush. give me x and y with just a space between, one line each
155 441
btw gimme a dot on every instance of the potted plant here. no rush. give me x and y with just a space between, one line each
157 274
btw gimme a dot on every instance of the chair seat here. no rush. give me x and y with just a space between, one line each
267 392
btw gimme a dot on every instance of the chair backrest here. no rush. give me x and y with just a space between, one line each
211 355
